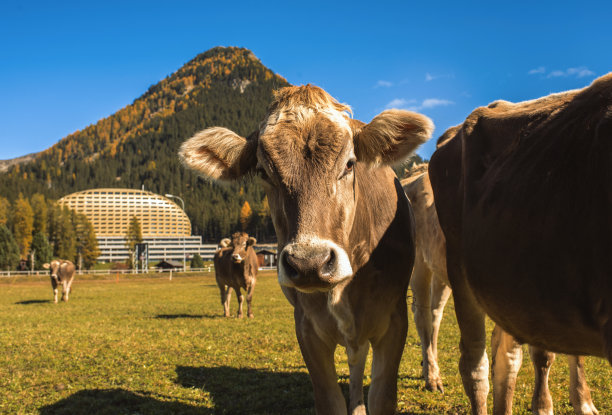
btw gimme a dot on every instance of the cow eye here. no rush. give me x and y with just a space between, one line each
348 169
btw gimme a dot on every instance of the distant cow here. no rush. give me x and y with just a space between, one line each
62 272
344 227
236 267
431 290
523 194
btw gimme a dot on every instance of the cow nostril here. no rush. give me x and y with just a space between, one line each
289 264
330 263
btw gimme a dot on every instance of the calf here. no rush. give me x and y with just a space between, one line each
62 272
431 290
344 227
523 194
236 267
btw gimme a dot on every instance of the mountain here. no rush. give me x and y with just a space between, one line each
5 164
137 146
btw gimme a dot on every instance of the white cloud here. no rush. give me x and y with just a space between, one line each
435 102
538 70
399 103
413 105
429 77
578 72
384 84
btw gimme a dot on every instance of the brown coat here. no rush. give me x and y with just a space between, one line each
523 195
344 228
61 272
235 268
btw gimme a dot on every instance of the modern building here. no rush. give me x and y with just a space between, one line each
165 227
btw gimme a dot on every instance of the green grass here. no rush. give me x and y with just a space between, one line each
135 345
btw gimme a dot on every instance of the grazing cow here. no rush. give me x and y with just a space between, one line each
62 272
236 267
344 227
523 194
430 292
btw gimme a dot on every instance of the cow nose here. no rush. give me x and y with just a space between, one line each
319 265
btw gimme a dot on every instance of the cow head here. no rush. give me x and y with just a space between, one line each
309 153
53 268
239 244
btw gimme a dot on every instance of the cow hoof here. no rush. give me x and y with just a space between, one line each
434 385
240 315
251 315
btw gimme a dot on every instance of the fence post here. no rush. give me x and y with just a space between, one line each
170 274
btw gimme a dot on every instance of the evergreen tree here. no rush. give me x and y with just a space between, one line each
86 242
9 250
39 208
133 237
63 235
23 224
42 250
5 209
196 261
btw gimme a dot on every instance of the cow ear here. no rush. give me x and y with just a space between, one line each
251 241
46 265
391 136
219 153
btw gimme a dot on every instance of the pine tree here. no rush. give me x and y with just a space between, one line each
63 236
86 242
9 250
133 237
42 250
23 224
5 209
196 261
39 208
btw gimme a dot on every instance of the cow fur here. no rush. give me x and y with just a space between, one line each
344 229
62 273
236 268
430 292
523 194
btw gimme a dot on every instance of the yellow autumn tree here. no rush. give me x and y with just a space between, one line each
245 215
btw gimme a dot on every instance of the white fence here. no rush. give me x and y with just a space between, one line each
209 268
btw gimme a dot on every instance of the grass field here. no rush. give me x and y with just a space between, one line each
153 346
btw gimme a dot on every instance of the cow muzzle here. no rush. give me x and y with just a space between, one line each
313 265
236 258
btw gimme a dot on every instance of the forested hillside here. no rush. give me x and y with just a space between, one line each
137 146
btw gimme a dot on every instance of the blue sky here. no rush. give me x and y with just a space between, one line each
65 65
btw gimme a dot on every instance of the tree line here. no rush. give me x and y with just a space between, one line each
34 230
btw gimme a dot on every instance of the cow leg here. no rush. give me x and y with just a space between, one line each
240 301
65 291
386 356
249 298
318 354
507 356
422 289
225 299
580 395
541 403
440 293
473 363
357 360
55 290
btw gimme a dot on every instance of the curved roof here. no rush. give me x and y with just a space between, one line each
110 212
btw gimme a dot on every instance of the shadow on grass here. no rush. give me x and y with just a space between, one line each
239 391
27 302
118 401
175 316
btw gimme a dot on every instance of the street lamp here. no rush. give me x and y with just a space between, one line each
183 204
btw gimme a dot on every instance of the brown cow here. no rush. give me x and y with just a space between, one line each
344 228
523 194
236 267
62 272
430 291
